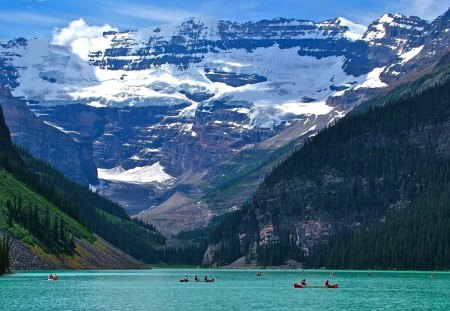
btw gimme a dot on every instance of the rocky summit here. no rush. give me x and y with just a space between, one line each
152 112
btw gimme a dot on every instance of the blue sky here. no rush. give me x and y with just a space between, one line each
38 18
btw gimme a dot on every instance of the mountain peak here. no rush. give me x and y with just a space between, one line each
356 31
390 17
394 25
202 22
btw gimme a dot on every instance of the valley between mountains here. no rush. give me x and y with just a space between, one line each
254 143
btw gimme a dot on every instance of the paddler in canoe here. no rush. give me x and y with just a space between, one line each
303 282
328 285
208 280
53 277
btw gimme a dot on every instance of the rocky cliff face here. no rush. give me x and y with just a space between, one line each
65 151
5 135
190 42
160 106
302 203
402 48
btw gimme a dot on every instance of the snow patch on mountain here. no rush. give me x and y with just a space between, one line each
372 79
156 86
283 82
397 22
290 79
96 104
138 175
49 73
356 31
53 75
407 56
208 25
316 108
60 128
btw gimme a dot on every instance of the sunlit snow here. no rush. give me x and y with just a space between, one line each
373 79
137 175
296 85
356 31
410 54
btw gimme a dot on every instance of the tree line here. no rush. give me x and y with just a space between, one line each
50 230
379 178
98 214
4 255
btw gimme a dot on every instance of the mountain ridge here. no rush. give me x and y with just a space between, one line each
375 197
189 98
53 222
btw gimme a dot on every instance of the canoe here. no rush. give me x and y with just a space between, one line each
207 281
297 285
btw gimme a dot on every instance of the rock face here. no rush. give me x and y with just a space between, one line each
65 151
5 135
180 100
190 41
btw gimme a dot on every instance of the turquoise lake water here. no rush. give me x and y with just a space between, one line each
233 290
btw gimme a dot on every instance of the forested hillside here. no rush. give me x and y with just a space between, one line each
49 213
372 191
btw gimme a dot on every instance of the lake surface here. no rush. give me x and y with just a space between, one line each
160 289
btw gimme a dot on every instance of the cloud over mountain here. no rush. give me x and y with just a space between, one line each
78 36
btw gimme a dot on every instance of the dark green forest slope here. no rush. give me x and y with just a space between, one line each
46 211
371 191
4 255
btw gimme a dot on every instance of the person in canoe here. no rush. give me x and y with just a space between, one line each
186 278
196 279
303 282
328 285
206 279
53 277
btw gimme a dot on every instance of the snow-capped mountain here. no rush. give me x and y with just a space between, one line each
288 61
176 100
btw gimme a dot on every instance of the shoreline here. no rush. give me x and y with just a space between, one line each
272 269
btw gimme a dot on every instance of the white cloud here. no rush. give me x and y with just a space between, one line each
81 38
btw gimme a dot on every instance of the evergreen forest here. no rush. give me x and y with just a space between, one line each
372 191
